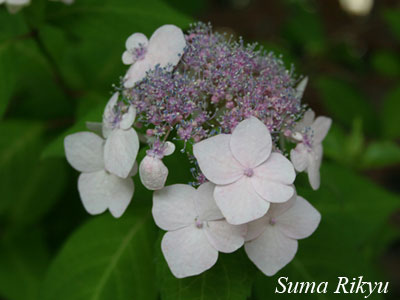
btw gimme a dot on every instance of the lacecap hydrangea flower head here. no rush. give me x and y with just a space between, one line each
236 111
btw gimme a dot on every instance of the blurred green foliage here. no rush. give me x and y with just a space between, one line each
57 67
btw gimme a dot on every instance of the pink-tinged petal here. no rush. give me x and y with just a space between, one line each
173 206
301 87
128 58
128 118
153 173
169 148
216 160
120 151
137 72
206 207
272 180
299 157
257 227
271 251
109 115
300 220
136 40
251 142
277 209
276 168
272 191
166 46
100 190
188 252
239 202
307 120
320 127
314 163
84 151
225 237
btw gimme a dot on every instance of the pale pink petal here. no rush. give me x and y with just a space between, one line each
136 40
251 142
206 207
225 237
84 151
308 118
257 227
216 160
314 163
301 88
239 202
299 157
153 173
134 170
277 209
128 58
188 252
300 220
173 206
109 115
137 72
120 151
272 180
166 46
100 190
128 118
320 127
169 148
276 168
271 251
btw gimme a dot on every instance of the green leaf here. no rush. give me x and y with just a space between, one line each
7 76
386 63
93 113
392 18
29 187
345 103
23 260
95 40
105 259
230 279
355 213
381 154
390 114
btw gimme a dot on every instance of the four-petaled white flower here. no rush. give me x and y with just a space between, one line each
248 176
98 189
153 173
308 153
271 241
196 228
122 142
164 48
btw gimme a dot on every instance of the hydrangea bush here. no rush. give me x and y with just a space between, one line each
236 111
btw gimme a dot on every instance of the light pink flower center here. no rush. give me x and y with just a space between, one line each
248 172
272 221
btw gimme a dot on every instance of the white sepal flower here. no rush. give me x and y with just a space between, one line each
248 176
164 48
122 142
196 228
153 173
271 241
98 189
307 155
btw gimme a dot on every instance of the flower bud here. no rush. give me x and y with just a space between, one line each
153 173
